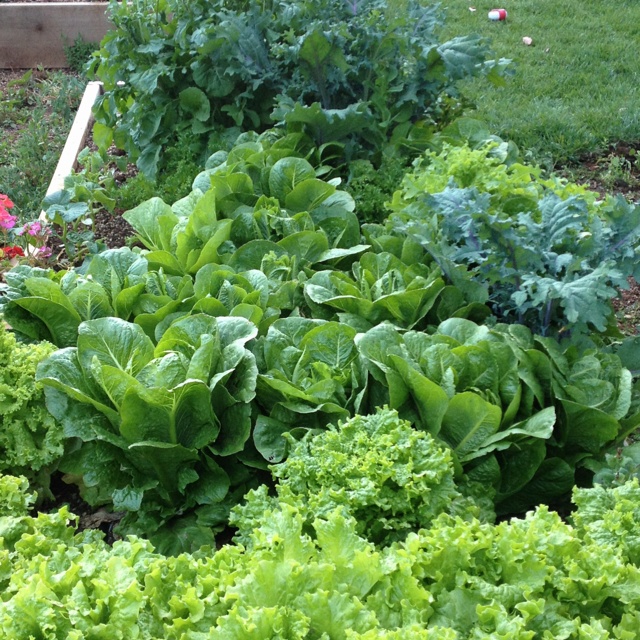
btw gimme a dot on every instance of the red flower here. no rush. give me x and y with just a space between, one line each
12 252
5 203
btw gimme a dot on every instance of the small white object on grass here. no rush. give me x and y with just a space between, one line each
497 14
527 40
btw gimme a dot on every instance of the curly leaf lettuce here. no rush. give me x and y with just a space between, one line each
31 440
525 578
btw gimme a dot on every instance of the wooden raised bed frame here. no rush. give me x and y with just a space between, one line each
35 33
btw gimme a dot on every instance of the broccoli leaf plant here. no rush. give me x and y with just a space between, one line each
518 412
364 73
173 415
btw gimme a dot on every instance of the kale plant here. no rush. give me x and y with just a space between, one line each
550 255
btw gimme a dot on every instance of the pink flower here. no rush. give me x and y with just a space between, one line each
34 229
7 221
44 252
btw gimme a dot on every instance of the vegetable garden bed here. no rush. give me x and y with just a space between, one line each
35 33
358 400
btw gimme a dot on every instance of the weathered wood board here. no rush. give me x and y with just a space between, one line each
34 33
76 139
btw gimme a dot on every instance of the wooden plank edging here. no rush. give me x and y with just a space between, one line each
34 33
76 139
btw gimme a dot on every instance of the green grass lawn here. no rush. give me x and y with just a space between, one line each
576 89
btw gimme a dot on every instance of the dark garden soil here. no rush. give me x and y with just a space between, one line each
89 517
615 170
111 227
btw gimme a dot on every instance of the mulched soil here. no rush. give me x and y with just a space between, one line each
7 76
112 228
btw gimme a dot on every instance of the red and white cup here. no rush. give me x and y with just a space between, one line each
497 14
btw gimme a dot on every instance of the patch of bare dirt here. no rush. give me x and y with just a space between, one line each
613 171
627 308
7 75
111 227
